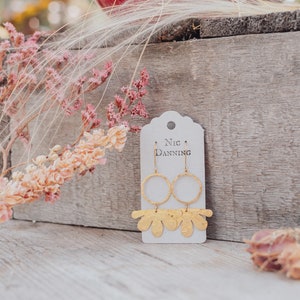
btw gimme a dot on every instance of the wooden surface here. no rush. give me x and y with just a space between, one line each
47 261
199 28
244 91
4 131
222 27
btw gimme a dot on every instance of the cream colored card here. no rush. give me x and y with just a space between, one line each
177 142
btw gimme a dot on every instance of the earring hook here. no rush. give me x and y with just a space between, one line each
185 157
154 157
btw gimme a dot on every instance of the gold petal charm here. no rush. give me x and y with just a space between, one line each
145 223
199 222
157 219
171 220
137 214
157 228
187 228
193 217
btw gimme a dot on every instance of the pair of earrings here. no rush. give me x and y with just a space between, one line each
185 218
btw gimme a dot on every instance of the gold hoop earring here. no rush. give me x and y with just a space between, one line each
156 174
190 217
155 218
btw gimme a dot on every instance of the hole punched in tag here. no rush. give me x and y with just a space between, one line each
171 125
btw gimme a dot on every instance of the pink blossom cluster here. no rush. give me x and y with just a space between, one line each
24 67
17 55
49 172
20 74
277 251
70 99
18 59
131 105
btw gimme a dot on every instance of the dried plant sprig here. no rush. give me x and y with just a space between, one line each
48 173
70 99
129 106
289 259
21 74
277 251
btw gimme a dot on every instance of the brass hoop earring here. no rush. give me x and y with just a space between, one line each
190 217
187 173
156 204
156 218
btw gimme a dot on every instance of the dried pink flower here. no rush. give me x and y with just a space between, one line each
71 99
289 259
89 118
139 110
116 111
99 77
20 74
11 30
276 250
49 173
5 212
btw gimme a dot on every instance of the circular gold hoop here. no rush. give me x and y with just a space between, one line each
156 204
188 174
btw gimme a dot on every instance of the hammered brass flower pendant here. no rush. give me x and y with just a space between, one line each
172 219
185 218
193 217
156 219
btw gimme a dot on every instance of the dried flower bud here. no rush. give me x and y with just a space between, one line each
31 168
289 259
56 148
17 176
277 250
41 159
5 213
52 156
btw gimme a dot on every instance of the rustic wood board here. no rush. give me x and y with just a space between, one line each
198 28
244 91
201 28
4 132
49 261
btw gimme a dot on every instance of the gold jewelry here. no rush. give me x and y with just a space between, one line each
172 219
156 218
156 174
190 217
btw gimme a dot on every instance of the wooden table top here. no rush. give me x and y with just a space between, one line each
49 261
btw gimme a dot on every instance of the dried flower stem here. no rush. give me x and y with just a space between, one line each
21 75
50 172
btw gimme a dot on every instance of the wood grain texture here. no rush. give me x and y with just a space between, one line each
269 23
47 261
4 132
199 28
244 91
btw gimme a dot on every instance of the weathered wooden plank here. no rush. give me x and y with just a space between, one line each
47 261
200 28
4 132
269 23
244 91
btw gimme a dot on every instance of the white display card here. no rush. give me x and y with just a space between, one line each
173 134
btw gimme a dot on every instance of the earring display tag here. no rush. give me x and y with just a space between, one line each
172 181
